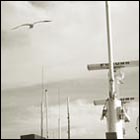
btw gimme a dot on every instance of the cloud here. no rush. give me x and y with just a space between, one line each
39 4
74 36
8 41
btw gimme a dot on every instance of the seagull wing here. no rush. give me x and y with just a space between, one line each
21 26
42 21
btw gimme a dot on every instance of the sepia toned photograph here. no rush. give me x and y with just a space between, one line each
69 69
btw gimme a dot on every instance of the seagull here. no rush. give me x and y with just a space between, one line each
30 25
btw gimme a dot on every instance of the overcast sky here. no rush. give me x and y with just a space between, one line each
75 37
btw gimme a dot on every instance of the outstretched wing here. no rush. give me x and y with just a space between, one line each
21 26
42 21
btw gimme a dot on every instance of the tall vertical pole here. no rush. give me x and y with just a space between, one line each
41 120
53 134
59 120
42 104
110 53
46 107
115 130
68 118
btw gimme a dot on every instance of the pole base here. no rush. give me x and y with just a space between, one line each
111 135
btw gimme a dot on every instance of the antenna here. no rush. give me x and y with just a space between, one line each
137 125
53 134
41 120
44 95
46 106
68 118
59 120
42 108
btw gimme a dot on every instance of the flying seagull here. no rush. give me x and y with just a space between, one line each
30 25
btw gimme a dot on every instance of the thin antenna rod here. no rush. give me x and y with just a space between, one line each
110 53
46 106
53 134
41 120
42 105
68 118
59 120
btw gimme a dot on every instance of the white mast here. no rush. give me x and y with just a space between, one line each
114 124
110 53
113 108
